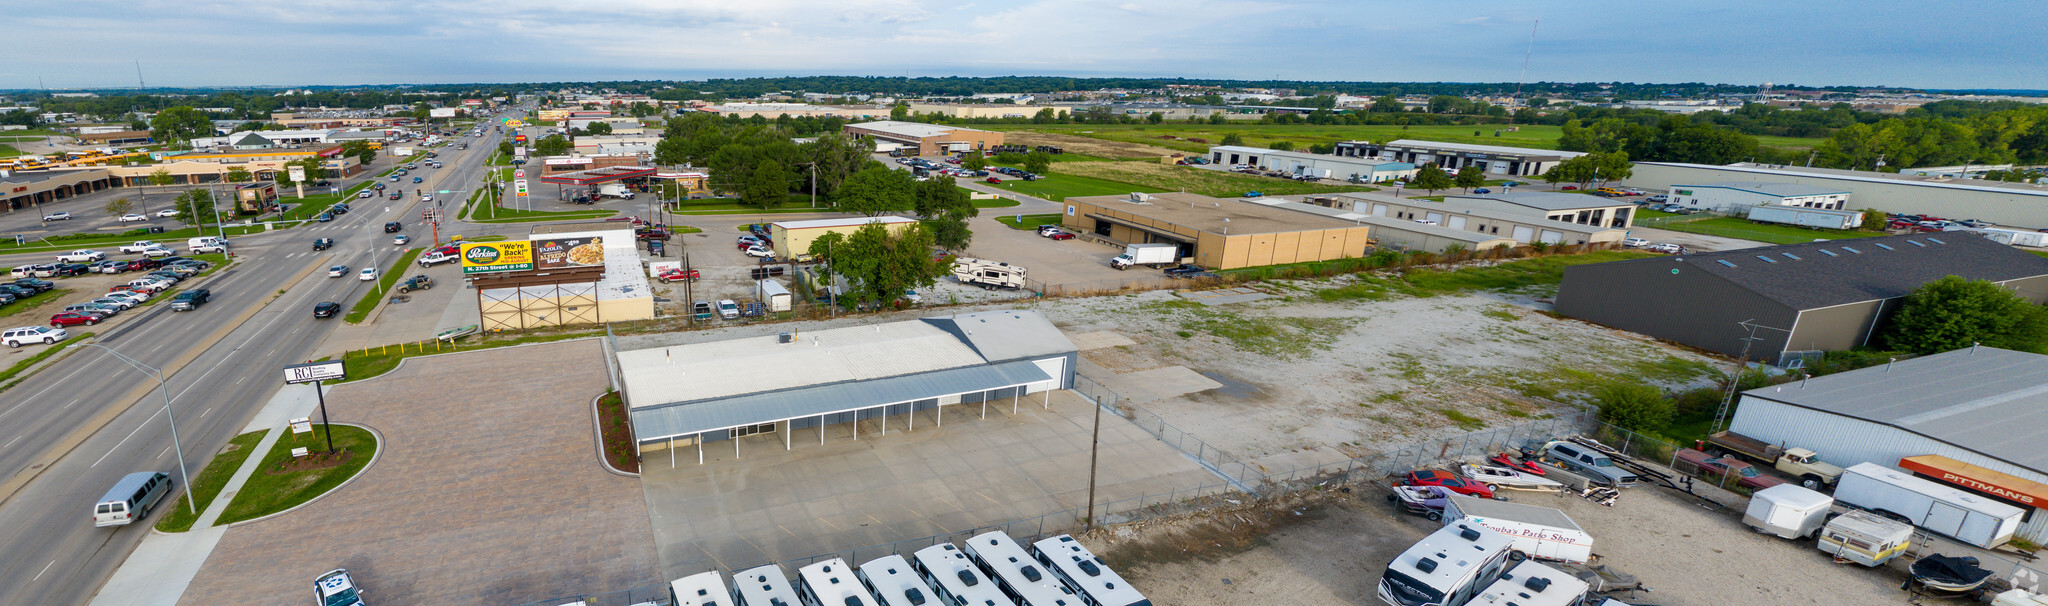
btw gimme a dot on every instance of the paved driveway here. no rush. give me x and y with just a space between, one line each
488 491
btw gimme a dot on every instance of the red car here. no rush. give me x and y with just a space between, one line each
993 180
677 274
74 318
1449 481
1568 188
1060 235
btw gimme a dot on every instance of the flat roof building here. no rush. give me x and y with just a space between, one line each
690 394
1401 234
31 189
926 139
1521 227
1582 209
1814 297
1734 197
2016 204
1497 160
1325 166
795 237
1216 233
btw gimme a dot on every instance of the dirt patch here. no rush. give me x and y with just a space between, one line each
1100 148
312 461
1122 359
614 425
1318 547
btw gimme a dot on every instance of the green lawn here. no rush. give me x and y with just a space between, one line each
1058 187
268 491
384 284
48 350
1030 221
75 241
33 302
8 151
210 481
368 363
1745 229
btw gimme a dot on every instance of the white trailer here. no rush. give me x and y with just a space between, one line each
1787 510
773 294
1951 512
1806 217
1533 584
2010 237
987 274
1151 255
1538 532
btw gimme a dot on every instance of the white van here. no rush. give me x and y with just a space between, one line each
131 498
205 244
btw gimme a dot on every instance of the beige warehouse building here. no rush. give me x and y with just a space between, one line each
925 139
795 237
1217 233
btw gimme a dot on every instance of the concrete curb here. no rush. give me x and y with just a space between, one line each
381 443
597 423
78 436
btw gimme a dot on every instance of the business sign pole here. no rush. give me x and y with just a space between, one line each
315 373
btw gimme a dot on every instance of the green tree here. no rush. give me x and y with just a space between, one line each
1634 406
1388 104
945 208
195 208
552 145
361 151
900 112
1038 162
119 206
1231 139
974 161
767 186
180 125
879 266
505 149
135 125
1218 118
1469 177
1155 117
599 128
249 126
237 174
1952 313
1431 178
1281 145
1874 220
314 171
875 190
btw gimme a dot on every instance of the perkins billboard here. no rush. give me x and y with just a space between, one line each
490 257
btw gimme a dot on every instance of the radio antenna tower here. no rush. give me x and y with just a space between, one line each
138 75
1525 67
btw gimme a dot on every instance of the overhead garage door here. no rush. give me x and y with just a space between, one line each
1379 210
1434 218
1525 234
1552 237
1456 223
1053 367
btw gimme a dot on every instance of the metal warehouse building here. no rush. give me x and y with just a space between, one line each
2019 204
1320 165
1556 206
1497 160
1972 418
1217 233
925 139
1523 226
687 395
1729 197
1819 296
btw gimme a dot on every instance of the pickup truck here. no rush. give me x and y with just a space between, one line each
139 246
191 299
1746 474
436 258
1796 462
678 275
82 256
1588 462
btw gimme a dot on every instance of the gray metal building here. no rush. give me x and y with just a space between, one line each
1496 159
687 395
1556 206
1980 407
1818 296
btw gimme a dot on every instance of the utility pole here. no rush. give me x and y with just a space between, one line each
1094 449
1741 366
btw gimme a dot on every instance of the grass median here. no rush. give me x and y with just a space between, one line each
283 481
10 375
1029 221
210 482
384 283
33 302
369 363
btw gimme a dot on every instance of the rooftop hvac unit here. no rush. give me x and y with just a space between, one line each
786 337
1141 197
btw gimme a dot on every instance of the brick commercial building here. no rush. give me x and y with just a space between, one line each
925 139
1216 233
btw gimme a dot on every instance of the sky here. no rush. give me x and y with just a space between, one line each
199 43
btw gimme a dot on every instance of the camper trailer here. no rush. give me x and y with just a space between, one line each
1447 568
987 274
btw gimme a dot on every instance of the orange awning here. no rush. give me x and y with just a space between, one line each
2002 485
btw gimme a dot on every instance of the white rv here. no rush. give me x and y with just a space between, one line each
955 579
1016 572
763 586
1091 579
1447 568
830 583
895 583
701 589
987 274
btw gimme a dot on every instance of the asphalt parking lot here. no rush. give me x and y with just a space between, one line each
487 490
768 504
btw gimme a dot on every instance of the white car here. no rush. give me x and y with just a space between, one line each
1667 248
401 240
121 303
82 256
367 274
364 194
28 335
728 309
757 251
337 271
132 296
57 216
1635 242
158 252
132 217
166 213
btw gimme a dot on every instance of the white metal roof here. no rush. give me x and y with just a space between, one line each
915 130
1983 399
1782 190
854 222
687 373
1491 149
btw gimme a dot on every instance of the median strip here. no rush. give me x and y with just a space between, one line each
384 283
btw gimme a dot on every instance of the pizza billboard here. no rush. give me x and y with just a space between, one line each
491 257
562 253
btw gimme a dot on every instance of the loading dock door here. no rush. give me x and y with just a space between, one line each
1525 234
1379 210
1457 223
1552 237
1434 218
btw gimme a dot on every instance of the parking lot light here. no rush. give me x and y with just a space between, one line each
160 389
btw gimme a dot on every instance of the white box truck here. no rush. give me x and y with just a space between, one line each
1538 532
1951 512
1787 510
773 294
1806 217
1150 255
615 190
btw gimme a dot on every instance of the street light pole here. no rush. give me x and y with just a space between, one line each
165 392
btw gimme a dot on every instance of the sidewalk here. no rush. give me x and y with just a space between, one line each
158 571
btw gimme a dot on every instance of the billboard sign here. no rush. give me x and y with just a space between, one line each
563 253
314 371
297 172
442 112
519 187
491 257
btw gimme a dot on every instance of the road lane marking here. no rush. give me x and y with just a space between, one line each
167 450
11 442
46 568
202 414
72 402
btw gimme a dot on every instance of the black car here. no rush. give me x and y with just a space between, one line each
392 227
324 217
17 291
33 284
326 309
323 243
191 299
1182 270
72 269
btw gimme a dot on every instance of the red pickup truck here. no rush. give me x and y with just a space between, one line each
1750 476
674 275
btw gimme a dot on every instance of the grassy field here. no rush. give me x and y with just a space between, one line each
1745 229
1509 276
33 302
1058 187
368 363
1199 137
48 350
384 284
76 241
271 490
1163 177
8 151
210 481
1030 221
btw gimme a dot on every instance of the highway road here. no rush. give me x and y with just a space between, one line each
72 430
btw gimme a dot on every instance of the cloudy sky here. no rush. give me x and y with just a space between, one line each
1931 44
